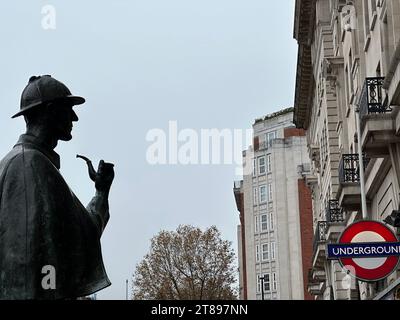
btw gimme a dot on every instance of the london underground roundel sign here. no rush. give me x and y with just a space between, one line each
369 250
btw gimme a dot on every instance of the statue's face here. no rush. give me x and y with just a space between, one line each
63 116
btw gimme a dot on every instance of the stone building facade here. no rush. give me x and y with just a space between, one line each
348 93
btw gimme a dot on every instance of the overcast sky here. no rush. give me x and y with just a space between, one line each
140 64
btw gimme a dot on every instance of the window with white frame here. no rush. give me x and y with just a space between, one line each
269 137
265 252
257 253
264 222
271 221
258 283
263 194
255 195
266 280
268 163
273 250
274 282
261 165
257 224
269 192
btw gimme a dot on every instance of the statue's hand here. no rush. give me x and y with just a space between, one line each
105 176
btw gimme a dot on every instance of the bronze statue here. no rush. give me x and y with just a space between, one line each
49 242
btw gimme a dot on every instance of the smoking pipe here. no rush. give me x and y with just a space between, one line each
92 171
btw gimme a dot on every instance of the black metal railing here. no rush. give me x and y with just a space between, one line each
334 213
320 234
349 169
372 98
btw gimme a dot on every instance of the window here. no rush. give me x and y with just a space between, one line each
261 165
350 70
346 81
255 195
264 222
372 13
257 253
274 282
269 192
266 281
366 21
269 163
265 252
269 137
257 224
324 145
258 283
336 37
378 70
271 221
254 167
273 249
263 194
386 41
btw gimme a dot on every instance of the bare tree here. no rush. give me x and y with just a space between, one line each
186 264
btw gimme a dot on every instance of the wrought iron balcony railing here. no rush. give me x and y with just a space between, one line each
372 98
349 170
320 234
334 213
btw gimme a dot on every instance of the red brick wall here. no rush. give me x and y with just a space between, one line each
256 143
294 132
306 227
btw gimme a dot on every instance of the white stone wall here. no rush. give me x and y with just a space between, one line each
286 156
342 59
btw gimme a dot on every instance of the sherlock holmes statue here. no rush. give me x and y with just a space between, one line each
49 242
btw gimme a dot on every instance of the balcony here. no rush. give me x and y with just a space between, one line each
319 241
315 286
335 216
378 126
372 96
349 194
334 213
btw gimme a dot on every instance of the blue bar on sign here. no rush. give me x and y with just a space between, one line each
363 250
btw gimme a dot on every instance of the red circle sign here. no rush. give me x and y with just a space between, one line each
369 269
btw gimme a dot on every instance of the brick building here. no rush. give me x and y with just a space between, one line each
274 202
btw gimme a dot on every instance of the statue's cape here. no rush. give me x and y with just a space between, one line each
42 223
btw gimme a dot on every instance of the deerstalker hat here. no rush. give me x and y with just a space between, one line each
43 89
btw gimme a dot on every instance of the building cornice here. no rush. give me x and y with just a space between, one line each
274 115
303 20
303 33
